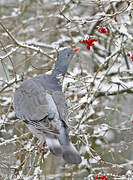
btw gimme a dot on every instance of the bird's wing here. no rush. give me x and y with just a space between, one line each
36 106
60 102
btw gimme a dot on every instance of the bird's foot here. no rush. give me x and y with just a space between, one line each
40 147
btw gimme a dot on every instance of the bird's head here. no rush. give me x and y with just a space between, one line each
64 58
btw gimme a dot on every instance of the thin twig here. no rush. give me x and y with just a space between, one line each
9 84
129 91
24 45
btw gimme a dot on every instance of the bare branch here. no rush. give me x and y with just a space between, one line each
23 45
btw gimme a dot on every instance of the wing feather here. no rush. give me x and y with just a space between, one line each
37 107
30 102
60 102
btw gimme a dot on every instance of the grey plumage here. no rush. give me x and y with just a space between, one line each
40 102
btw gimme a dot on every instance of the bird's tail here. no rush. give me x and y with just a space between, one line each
60 145
53 144
70 154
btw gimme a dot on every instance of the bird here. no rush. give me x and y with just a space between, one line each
41 104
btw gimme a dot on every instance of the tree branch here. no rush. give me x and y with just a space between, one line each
23 45
99 94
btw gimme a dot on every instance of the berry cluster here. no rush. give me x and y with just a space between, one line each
128 54
102 29
102 177
89 42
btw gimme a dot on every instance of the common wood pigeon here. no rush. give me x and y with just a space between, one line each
40 102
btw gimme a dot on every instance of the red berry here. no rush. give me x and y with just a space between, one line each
85 41
90 42
128 54
88 47
132 58
103 30
94 39
97 27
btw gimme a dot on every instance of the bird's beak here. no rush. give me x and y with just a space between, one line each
76 49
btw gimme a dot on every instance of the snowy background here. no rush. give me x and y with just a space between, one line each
98 86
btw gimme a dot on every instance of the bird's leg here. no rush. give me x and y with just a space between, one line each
40 146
